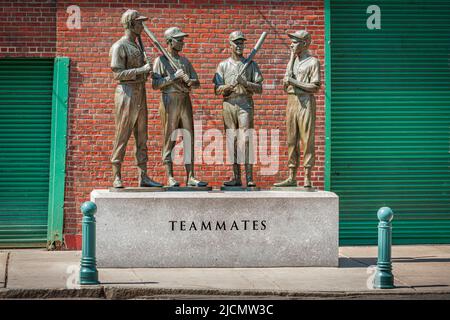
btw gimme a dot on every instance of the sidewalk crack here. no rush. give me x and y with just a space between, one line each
403 282
136 275
273 282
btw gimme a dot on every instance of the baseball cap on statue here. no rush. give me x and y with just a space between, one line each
174 32
131 15
236 35
300 35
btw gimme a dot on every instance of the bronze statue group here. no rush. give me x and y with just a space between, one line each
236 80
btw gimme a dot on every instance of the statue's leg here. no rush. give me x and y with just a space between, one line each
169 113
123 130
187 123
307 136
141 135
292 132
246 124
230 119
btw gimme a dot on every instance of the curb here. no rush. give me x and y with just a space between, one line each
120 293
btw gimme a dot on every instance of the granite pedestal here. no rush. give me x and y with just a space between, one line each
216 229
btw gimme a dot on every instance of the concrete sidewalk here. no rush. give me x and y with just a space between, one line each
421 272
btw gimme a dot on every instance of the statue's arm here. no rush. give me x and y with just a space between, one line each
314 85
193 82
255 84
219 85
309 87
254 87
118 66
220 88
158 80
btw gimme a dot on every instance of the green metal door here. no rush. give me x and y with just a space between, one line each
25 142
390 118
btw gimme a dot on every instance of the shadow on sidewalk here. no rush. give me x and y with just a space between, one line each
363 262
430 286
421 259
130 283
356 262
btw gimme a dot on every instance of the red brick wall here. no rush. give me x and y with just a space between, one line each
208 23
27 28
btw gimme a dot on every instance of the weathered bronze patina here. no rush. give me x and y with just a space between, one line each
131 70
301 81
175 104
237 87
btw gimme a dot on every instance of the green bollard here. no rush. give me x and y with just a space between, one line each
384 279
88 270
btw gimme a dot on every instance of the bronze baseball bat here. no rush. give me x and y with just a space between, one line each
160 47
290 66
141 44
252 55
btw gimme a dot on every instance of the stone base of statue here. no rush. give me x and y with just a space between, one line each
231 188
137 189
188 188
216 229
301 189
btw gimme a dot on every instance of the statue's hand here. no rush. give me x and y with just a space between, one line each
179 74
241 80
227 89
292 81
147 68
149 75
186 79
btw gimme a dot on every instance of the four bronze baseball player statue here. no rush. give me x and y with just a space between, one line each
236 80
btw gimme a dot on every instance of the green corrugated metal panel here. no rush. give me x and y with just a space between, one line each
390 119
58 152
25 127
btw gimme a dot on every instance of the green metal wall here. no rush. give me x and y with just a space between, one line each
390 119
25 140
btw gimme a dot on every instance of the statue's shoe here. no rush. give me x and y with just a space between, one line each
193 182
172 182
307 183
147 182
233 183
286 183
117 183
251 184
